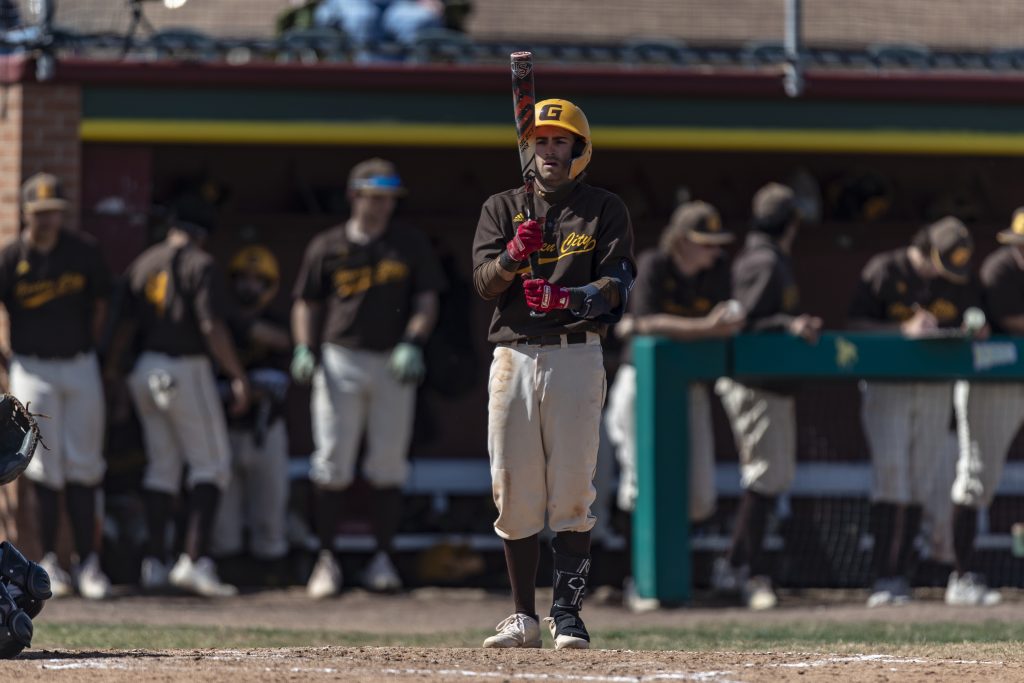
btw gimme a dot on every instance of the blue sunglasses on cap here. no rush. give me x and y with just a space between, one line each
391 183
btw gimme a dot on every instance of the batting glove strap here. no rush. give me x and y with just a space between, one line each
509 264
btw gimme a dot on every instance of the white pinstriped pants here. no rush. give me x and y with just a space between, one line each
988 415
620 421
907 427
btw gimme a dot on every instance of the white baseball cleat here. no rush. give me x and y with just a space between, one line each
92 583
153 574
381 575
889 590
325 580
726 579
970 589
758 593
516 630
200 577
60 581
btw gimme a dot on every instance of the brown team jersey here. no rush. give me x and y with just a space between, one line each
368 289
763 281
1002 281
51 297
661 288
171 292
890 289
592 235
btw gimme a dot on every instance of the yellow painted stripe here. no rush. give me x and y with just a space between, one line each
606 137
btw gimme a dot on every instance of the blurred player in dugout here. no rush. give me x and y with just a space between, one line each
366 300
914 290
988 416
763 414
55 286
682 292
256 498
173 310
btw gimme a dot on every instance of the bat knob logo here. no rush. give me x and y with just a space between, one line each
521 69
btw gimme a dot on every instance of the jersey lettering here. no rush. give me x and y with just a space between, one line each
349 282
156 291
36 294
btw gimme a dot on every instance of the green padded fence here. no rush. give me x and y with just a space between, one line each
664 369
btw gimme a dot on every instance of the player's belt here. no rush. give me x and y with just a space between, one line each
555 339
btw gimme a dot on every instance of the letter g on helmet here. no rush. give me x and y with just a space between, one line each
566 115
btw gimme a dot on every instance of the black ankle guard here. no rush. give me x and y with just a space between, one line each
569 581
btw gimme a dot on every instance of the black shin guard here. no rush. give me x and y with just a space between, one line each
15 626
569 585
24 574
30 583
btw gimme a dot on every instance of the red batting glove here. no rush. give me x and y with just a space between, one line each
529 238
543 296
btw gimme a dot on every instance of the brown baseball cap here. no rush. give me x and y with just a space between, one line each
952 248
773 208
1015 233
701 224
43 192
375 176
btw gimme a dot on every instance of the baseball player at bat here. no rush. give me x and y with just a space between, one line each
988 416
682 292
366 301
547 380
763 415
918 291
55 287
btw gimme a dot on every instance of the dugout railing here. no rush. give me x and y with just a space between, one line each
661 543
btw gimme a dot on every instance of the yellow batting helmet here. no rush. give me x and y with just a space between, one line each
564 114
256 259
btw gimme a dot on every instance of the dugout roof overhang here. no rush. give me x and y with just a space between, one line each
631 108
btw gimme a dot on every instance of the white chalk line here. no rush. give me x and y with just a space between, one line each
596 678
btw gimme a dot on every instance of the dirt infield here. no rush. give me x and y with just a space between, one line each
465 612
432 664
457 610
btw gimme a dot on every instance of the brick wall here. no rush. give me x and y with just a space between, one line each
38 132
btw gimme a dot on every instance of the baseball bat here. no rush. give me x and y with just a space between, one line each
523 100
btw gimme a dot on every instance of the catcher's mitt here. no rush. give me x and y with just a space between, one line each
19 435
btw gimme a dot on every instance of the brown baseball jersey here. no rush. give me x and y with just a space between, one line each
368 289
890 290
172 292
591 235
1002 281
763 281
661 288
51 297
